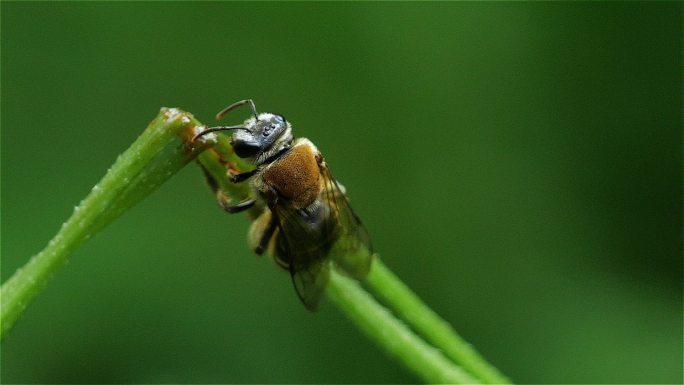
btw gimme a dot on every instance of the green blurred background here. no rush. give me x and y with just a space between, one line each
519 165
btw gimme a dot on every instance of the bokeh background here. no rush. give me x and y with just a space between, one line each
519 165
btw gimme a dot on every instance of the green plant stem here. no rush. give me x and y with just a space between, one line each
149 162
397 339
427 323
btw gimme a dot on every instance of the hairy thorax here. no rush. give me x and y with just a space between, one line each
295 176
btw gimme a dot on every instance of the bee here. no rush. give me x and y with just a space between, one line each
307 224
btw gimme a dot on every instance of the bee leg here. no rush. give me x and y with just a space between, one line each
266 236
213 184
238 207
221 197
237 178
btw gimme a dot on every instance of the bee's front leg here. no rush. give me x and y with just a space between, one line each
238 207
223 199
237 178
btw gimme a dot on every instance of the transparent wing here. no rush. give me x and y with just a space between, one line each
310 282
352 251
308 240
303 243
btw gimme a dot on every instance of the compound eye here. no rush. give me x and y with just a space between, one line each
245 149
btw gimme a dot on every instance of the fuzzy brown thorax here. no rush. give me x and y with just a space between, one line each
295 175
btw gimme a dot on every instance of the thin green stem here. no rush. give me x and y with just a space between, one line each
427 323
388 332
149 162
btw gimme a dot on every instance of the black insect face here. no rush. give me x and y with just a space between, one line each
259 135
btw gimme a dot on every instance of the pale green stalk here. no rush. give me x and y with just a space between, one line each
398 340
149 162
407 306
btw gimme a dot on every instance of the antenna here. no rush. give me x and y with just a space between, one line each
236 105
